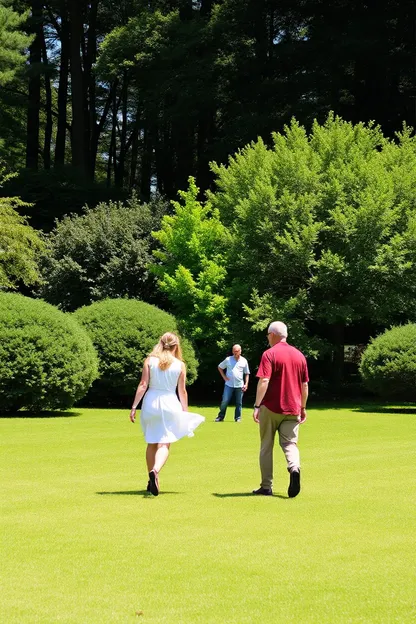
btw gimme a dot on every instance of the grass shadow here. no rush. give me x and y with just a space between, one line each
384 409
245 495
134 493
51 414
233 495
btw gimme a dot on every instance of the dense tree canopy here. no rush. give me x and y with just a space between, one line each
320 228
142 95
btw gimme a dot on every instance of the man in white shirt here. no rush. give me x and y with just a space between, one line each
235 372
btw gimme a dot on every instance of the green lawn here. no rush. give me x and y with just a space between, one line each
83 543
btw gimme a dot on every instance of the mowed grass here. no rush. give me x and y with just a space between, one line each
82 542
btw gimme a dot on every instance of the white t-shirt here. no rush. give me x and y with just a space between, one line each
235 370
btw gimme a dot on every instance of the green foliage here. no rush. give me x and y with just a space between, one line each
13 42
20 245
191 270
47 361
323 226
388 365
58 192
124 332
102 253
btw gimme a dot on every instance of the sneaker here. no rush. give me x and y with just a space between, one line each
263 492
237 419
219 419
294 484
148 487
153 483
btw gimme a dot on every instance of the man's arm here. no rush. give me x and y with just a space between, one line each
222 373
305 393
246 378
262 386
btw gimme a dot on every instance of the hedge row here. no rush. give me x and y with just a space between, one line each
50 359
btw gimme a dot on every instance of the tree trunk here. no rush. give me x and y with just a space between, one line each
120 172
78 142
185 10
35 59
48 98
90 105
98 127
60 142
134 150
112 153
146 164
206 7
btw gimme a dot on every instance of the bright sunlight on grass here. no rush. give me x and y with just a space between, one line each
83 543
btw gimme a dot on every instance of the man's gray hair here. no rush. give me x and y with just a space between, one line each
278 328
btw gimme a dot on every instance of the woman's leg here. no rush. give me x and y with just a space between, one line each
162 453
150 456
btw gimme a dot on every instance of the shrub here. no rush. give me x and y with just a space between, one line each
388 365
124 331
47 361
20 245
103 253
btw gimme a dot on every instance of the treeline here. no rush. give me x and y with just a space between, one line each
114 96
318 229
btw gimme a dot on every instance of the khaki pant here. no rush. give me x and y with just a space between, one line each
288 428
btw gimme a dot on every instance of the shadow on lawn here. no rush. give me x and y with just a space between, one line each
29 414
135 493
384 409
364 407
245 494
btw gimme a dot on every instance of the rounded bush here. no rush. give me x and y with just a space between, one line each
47 360
124 332
388 365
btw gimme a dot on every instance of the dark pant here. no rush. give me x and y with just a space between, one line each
226 398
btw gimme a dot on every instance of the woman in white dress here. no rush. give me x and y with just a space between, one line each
164 418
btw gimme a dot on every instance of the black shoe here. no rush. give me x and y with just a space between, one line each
263 492
148 487
219 419
153 483
294 484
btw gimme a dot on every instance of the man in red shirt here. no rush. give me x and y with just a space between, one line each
282 392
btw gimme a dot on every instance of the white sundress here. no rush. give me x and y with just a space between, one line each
161 417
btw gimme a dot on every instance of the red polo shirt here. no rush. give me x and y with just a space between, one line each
287 370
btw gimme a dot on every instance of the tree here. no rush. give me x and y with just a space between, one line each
191 270
330 221
20 245
388 365
102 253
13 42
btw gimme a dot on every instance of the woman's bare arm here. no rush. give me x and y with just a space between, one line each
141 389
183 395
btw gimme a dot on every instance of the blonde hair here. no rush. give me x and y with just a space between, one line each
167 349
